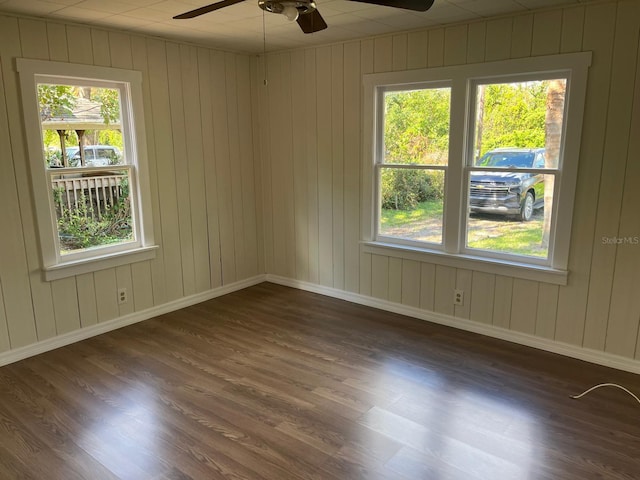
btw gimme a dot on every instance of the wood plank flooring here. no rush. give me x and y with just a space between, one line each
272 383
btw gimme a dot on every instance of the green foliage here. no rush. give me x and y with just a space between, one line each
403 188
416 131
514 115
55 101
417 126
109 99
78 228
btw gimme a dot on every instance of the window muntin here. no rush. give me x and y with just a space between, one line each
412 168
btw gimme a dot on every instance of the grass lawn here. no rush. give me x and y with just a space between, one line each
399 218
487 232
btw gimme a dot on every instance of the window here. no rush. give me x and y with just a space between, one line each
476 163
85 135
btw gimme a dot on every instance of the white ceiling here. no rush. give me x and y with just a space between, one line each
239 27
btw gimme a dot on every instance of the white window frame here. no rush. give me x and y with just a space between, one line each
463 80
129 84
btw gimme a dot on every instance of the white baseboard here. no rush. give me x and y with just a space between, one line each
573 351
87 332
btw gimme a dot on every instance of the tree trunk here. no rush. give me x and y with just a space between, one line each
553 139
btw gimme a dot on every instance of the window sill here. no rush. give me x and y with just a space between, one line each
481 264
78 267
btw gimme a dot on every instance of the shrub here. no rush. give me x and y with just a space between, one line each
403 189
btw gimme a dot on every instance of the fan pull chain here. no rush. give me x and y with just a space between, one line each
264 49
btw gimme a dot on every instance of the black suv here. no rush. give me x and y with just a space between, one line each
508 193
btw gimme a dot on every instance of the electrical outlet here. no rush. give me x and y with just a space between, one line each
122 296
458 297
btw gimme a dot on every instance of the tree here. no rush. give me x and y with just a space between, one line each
553 138
55 101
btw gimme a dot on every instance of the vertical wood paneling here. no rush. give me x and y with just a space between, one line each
572 27
337 143
351 107
455 45
417 48
65 305
522 36
257 102
482 294
249 215
181 167
427 286
613 174
4 330
57 42
120 50
33 39
464 282
599 29
624 310
300 172
476 40
196 197
235 166
80 45
87 307
502 298
163 161
100 48
547 31
383 54
365 274
311 123
106 294
265 161
380 277
435 48
140 62
498 38
325 165
400 53
395 280
524 306
411 283
25 293
547 307
445 283
223 171
142 286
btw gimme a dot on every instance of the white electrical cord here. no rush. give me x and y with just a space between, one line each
606 385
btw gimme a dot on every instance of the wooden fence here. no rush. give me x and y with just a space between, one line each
99 193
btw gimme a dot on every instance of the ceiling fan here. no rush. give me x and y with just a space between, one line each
305 11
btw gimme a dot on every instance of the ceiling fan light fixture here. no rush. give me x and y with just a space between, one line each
290 12
291 9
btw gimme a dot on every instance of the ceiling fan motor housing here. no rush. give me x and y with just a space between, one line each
278 6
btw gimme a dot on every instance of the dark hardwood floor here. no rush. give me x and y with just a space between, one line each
272 383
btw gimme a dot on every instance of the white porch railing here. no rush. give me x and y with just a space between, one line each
99 192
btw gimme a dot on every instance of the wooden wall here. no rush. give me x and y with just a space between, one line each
312 184
199 124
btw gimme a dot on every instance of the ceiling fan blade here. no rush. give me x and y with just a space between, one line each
416 5
311 22
209 8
